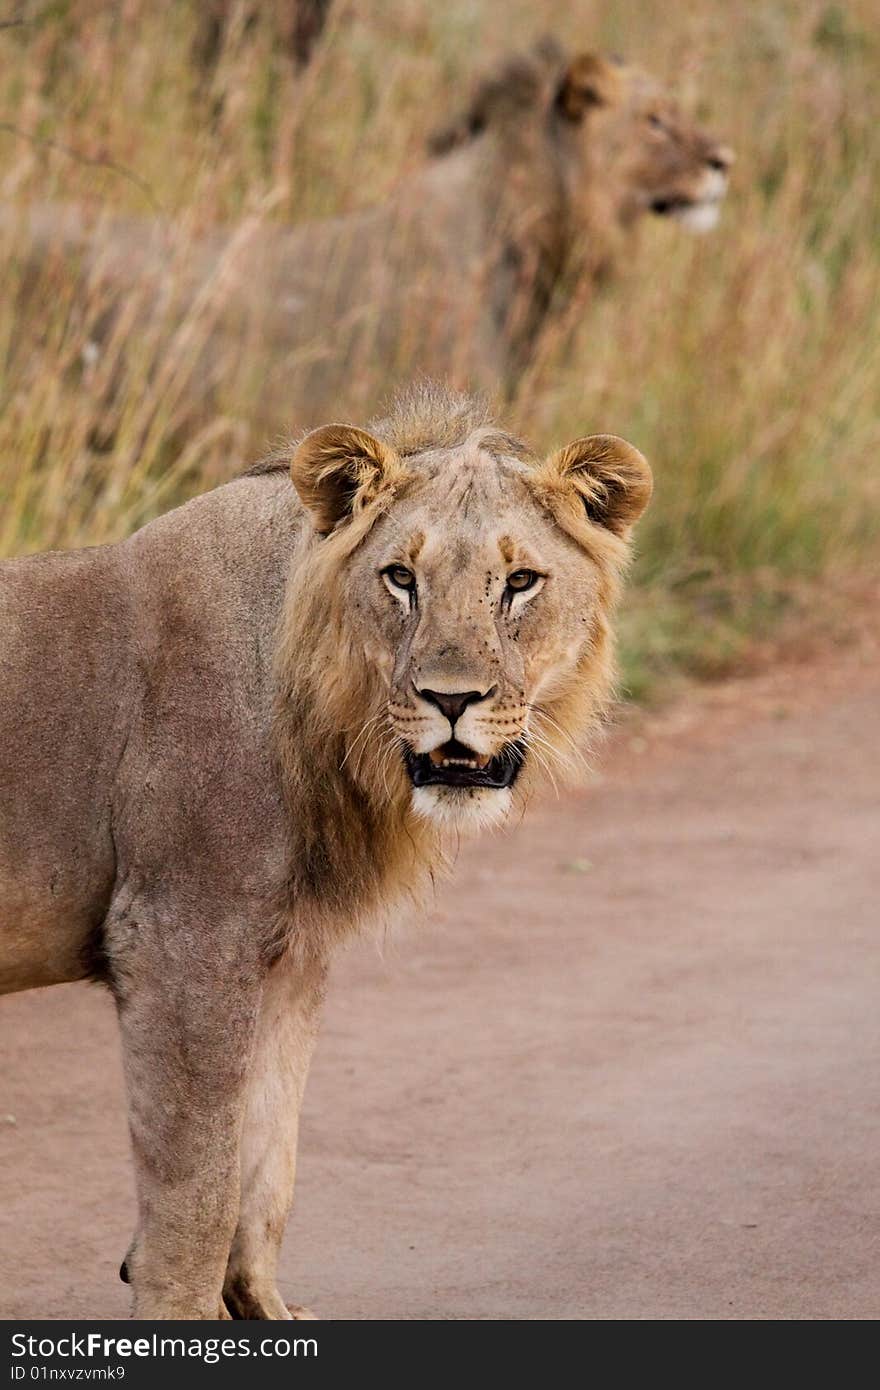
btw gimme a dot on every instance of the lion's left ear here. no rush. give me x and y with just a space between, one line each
589 80
606 476
338 469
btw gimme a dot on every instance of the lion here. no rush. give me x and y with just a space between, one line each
247 732
530 197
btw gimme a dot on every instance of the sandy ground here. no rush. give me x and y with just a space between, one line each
630 1070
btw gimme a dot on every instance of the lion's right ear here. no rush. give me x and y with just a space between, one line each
338 469
589 80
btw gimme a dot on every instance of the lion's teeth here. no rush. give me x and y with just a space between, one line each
474 763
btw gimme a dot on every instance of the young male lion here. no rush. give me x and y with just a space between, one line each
242 734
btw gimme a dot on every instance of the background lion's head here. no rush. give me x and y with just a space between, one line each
621 142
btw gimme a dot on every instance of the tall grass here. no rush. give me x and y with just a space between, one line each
745 364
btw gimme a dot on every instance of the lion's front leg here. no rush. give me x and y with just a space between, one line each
285 1039
187 1016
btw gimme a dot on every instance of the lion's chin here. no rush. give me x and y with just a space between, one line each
699 217
465 810
699 208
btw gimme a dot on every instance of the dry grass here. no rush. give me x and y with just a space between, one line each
746 365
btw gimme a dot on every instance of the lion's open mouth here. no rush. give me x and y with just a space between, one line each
454 765
676 204
700 214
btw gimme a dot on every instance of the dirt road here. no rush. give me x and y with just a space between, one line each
631 1069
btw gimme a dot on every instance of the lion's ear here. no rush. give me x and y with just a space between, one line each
589 80
606 476
338 469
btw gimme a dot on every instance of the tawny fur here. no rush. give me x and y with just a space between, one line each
203 743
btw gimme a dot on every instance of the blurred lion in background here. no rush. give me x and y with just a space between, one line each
533 191
575 152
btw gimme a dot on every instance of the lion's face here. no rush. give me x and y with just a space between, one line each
674 168
478 607
623 144
479 601
634 136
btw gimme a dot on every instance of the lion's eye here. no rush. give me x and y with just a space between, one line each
655 122
520 580
400 577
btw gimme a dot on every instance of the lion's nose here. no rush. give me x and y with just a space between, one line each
720 159
454 704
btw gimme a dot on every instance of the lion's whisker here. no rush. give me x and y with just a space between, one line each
363 729
535 739
542 761
542 713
